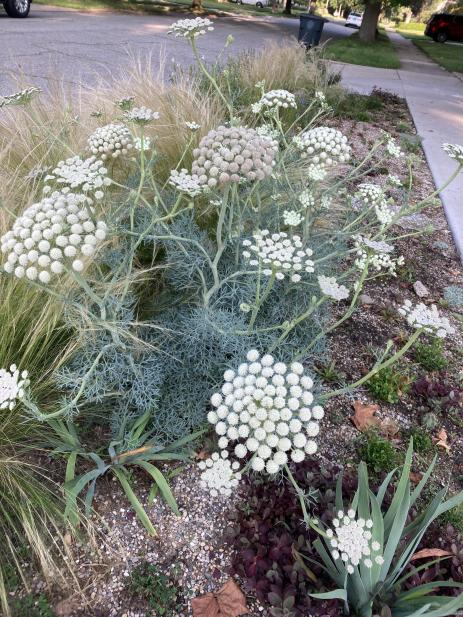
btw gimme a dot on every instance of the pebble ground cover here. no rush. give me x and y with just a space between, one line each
231 349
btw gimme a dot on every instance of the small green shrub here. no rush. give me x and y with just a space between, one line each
388 385
158 590
455 517
377 453
421 440
32 606
431 355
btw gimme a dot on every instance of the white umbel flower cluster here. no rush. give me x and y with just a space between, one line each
191 28
274 100
12 384
279 254
185 182
316 173
323 146
392 148
233 154
394 180
331 288
137 143
141 115
86 175
292 218
193 126
219 474
23 97
267 407
51 234
351 541
372 195
378 254
265 130
125 103
454 151
110 141
307 199
426 317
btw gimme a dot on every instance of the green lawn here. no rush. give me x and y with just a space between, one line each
165 6
447 55
350 49
411 30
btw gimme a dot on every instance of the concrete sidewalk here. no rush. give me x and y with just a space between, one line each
435 99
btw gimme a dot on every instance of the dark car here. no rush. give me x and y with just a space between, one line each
445 27
16 8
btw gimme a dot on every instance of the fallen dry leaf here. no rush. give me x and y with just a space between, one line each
441 439
430 552
229 601
202 455
389 428
364 417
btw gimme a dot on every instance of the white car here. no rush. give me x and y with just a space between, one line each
259 3
354 20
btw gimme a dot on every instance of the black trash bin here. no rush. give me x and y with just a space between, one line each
310 29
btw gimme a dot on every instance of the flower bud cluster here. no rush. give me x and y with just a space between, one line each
193 126
323 146
454 151
138 145
373 195
292 218
23 97
219 475
265 130
125 103
185 182
377 254
279 254
86 175
141 115
191 28
426 317
110 141
50 234
331 288
392 148
233 154
351 541
275 99
307 199
266 407
12 385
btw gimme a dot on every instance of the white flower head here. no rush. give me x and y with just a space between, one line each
191 28
350 540
185 182
265 130
193 126
279 254
307 199
57 233
110 141
391 147
454 151
377 254
372 195
292 218
12 385
137 143
141 115
266 406
219 475
88 175
23 97
426 317
331 288
274 100
233 154
323 146
394 180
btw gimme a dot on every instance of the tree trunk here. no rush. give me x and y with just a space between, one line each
288 5
367 32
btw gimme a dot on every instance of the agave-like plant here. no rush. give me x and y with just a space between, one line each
371 579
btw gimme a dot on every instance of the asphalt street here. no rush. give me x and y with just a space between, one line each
78 47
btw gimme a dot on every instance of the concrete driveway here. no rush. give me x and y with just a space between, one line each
54 43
